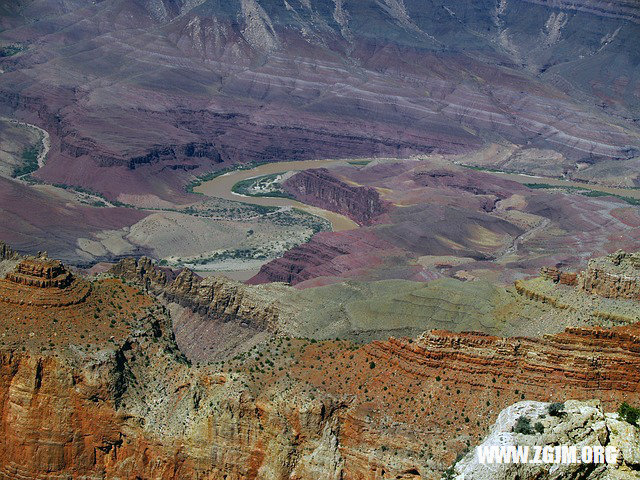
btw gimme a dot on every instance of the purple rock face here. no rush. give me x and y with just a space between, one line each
140 97
163 89
318 187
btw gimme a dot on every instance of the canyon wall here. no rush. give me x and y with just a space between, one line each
320 188
290 408
566 360
614 276
138 411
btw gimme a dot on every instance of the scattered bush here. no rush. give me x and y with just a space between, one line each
556 409
523 425
30 161
629 414
538 427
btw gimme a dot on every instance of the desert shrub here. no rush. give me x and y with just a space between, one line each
629 414
523 425
556 409
538 427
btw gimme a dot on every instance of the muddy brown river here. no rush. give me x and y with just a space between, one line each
221 186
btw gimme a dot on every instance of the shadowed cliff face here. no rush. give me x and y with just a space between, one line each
318 187
137 86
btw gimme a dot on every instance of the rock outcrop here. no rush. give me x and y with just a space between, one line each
614 276
320 188
141 271
557 276
42 273
7 253
224 300
576 423
45 282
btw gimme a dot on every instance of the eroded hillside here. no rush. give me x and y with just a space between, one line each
128 402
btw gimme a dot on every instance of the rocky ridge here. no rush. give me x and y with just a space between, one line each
213 297
320 188
288 408
579 423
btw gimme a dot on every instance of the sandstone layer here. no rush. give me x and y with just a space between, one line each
128 403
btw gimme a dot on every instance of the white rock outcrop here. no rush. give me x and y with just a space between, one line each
581 423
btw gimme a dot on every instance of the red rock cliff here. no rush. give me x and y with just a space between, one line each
318 187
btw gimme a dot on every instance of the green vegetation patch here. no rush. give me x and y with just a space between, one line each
485 169
523 425
11 50
587 192
629 414
218 173
556 409
264 186
29 161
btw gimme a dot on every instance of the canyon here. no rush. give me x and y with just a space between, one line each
129 403
451 242
270 81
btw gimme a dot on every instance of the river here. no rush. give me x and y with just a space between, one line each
559 182
221 186
46 142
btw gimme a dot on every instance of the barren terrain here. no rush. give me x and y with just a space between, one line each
317 239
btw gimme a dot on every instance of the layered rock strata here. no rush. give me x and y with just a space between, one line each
585 359
320 188
291 408
40 281
41 273
614 276
557 276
